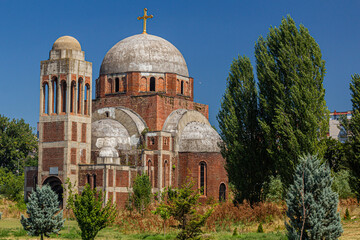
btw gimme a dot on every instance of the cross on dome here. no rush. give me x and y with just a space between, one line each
145 17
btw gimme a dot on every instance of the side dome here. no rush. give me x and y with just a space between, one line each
144 53
66 42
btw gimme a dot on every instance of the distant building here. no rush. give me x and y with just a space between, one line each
335 130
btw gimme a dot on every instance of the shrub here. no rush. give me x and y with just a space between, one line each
141 196
90 213
43 210
274 189
347 214
260 228
341 184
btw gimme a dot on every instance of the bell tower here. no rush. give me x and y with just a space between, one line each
65 114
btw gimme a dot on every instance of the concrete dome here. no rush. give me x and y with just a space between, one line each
144 53
199 137
66 42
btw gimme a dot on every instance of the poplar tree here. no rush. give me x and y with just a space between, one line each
240 131
292 108
45 216
354 135
311 203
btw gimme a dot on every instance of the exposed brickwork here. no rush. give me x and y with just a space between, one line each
73 172
166 170
74 131
53 131
111 177
189 165
31 178
83 133
153 142
53 157
73 156
99 173
166 143
83 156
121 199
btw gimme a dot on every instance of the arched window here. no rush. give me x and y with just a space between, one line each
88 181
111 87
202 178
117 84
63 96
152 84
87 99
72 96
55 93
182 87
166 172
222 192
79 95
45 98
94 181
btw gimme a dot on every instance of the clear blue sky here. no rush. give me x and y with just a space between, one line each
208 33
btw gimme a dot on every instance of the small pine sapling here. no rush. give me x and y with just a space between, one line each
347 214
90 212
181 205
43 210
235 232
162 209
141 196
312 204
260 228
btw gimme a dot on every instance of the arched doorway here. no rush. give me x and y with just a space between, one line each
222 192
56 186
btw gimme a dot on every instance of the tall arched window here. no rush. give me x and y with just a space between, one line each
63 96
166 172
117 84
72 96
182 87
45 98
87 101
94 181
88 179
152 84
149 171
55 93
222 192
202 178
79 95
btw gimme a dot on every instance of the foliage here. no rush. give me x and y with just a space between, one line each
181 205
312 205
245 162
141 195
341 184
347 214
11 185
162 210
43 210
90 212
274 189
335 154
354 135
0 215
18 145
292 108
260 228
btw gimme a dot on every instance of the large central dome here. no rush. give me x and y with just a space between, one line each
144 53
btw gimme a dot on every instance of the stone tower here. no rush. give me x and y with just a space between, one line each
65 114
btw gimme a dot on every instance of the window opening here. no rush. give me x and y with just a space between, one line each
117 85
182 87
79 95
222 192
55 93
63 95
46 98
203 178
152 84
72 96
94 181
88 179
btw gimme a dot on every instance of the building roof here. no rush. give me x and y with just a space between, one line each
66 42
144 53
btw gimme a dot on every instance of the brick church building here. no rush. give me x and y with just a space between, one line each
142 120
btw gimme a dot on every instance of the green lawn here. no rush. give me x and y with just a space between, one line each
12 229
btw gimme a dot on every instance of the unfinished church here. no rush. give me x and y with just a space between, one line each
143 120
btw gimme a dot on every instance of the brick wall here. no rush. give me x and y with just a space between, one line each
53 157
83 132
74 131
53 131
189 165
73 156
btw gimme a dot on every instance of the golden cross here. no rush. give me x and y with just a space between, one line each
145 17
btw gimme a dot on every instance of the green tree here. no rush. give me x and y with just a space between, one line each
141 195
18 145
45 216
181 204
293 113
11 185
354 135
246 165
335 154
90 212
312 205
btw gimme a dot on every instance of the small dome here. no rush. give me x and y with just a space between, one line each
66 42
144 53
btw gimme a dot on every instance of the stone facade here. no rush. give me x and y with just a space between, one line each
141 121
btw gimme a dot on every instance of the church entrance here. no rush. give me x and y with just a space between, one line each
56 186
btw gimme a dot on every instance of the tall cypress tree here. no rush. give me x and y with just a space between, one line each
354 138
240 131
292 109
45 216
312 205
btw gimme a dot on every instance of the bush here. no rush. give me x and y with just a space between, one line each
141 196
341 184
11 185
274 189
260 228
347 214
